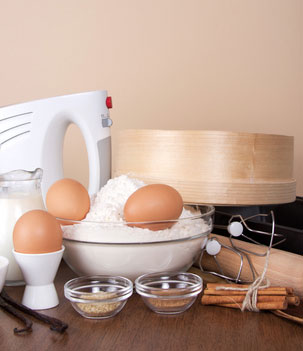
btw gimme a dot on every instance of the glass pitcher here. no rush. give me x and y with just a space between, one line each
19 192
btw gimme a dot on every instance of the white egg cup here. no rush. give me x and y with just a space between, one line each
39 271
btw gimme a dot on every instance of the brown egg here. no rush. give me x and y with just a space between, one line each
155 202
67 198
37 232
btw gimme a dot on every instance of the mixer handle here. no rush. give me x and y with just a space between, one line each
99 159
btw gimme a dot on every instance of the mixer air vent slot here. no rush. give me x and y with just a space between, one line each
12 128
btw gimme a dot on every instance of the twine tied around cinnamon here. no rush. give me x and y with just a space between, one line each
256 296
250 300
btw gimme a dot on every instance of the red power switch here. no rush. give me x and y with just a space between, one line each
109 103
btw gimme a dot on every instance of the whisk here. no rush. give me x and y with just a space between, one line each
235 228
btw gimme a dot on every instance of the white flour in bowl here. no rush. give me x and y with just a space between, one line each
107 213
108 204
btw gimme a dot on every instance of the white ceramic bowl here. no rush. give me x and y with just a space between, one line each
98 248
3 270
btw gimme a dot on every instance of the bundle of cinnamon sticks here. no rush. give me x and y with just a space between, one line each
271 298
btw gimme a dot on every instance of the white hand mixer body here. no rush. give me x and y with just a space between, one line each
32 136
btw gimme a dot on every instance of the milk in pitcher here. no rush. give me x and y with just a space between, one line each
19 192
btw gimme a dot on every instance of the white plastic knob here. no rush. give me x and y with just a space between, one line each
235 229
213 247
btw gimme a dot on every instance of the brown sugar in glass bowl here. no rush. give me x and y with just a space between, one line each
169 293
98 297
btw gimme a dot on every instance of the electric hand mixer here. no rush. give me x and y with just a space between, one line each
32 135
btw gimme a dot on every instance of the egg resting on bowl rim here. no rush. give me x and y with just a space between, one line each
67 198
153 203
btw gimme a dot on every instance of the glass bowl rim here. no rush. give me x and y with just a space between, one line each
158 242
210 212
81 297
187 292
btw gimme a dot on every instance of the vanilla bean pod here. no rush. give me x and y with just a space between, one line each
10 309
55 324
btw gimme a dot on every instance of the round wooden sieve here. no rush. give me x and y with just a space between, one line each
211 167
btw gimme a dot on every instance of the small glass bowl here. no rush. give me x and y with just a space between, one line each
99 296
169 293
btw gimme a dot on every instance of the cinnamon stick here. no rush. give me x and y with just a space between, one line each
219 300
274 305
293 300
271 298
268 291
246 286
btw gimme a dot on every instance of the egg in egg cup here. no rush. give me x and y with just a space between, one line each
38 250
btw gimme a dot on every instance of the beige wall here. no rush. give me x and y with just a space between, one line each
171 64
